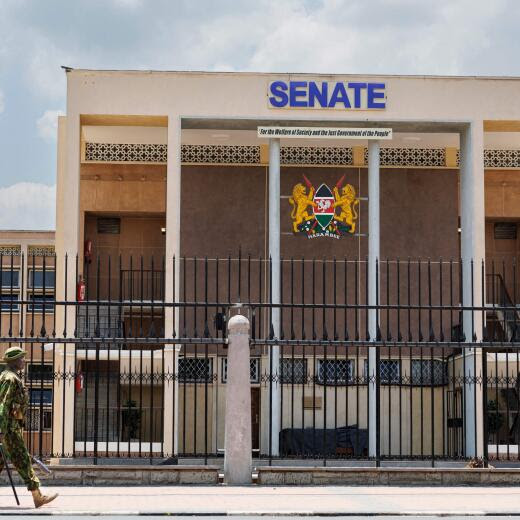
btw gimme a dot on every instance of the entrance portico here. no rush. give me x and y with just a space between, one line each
470 135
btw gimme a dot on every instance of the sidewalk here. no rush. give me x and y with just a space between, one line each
222 500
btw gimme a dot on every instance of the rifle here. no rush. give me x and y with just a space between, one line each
40 465
4 460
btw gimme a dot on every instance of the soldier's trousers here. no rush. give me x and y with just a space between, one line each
17 453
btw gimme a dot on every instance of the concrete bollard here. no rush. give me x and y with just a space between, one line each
237 440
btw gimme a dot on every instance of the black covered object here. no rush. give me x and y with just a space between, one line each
314 441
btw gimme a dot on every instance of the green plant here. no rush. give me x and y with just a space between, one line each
131 418
495 419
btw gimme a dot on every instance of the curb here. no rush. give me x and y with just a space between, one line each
423 514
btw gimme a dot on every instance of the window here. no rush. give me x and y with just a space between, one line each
10 279
40 396
254 370
195 370
38 420
39 300
9 302
37 372
422 372
335 371
37 278
505 230
108 225
293 371
389 371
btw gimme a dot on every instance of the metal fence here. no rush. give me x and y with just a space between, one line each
109 388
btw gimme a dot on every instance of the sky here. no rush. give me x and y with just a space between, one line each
37 37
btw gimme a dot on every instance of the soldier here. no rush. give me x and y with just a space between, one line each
13 405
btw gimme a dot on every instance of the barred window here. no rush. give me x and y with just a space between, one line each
335 371
422 372
10 302
37 420
40 397
10 278
254 370
37 371
389 371
195 370
39 300
293 371
37 279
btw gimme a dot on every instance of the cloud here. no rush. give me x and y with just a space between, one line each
28 205
130 4
2 102
48 124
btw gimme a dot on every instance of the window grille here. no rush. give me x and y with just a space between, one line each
254 370
108 225
501 158
505 230
293 371
40 251
335 371
389 371
327 155
422 372
195 370
37 420
220 154
10 250
126 152
293 155
409 157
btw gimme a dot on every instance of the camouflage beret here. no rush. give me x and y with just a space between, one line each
13 353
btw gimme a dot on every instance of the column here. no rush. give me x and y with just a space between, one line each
373 293
172 268
274 254
67 247
237 438
473 252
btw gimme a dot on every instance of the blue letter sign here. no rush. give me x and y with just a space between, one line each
340 94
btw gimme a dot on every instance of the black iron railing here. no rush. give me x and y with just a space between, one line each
134 373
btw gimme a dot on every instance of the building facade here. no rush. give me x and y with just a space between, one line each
28 281
173 208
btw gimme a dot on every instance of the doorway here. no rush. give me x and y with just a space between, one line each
255 420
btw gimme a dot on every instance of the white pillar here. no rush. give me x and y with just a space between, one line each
274 253
68 235
473 248
373 258
238 459
173 246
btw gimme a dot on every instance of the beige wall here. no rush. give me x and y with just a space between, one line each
123 188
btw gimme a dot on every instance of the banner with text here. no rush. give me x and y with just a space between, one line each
314 132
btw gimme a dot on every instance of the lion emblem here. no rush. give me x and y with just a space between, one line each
300 201
347 203
324 219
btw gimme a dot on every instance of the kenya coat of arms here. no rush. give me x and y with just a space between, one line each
332 212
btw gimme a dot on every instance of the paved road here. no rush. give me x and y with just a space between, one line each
266 501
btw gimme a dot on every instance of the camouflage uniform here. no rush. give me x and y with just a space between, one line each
13 405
